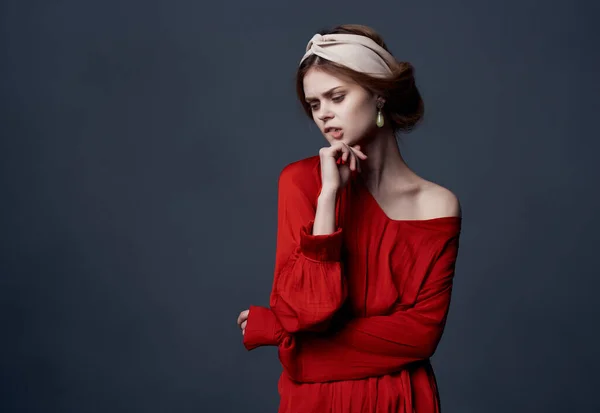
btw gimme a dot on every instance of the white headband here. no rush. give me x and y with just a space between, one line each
356 52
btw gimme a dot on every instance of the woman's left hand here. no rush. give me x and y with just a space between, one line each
243 320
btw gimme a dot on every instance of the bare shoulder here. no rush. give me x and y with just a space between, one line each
437 201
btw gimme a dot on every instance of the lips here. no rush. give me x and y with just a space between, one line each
334 132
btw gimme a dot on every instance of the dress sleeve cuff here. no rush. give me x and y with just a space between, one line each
262 328
325 247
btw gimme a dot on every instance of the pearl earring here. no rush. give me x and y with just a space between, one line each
379 121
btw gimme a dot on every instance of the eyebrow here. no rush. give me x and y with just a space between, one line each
326 94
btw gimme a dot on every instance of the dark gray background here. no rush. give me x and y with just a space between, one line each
141 144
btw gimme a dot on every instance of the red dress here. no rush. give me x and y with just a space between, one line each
356 314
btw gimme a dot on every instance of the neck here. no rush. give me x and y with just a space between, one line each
385 167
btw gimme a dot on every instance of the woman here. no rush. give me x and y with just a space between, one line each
366 249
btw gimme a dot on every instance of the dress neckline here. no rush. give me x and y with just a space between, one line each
371 198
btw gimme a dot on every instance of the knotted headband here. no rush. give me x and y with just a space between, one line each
356 52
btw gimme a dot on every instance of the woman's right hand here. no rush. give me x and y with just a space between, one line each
334 175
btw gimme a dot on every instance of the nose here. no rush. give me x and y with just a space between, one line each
324 113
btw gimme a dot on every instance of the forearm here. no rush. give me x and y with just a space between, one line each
324 222
308 287
363 348
376 345
359 348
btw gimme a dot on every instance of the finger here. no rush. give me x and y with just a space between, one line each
244 323
357 149
335 152
347 156
347 153
353 162
243 316
360 153
357 158
350 150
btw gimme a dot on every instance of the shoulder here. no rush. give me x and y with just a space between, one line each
300 171
303 174
436 201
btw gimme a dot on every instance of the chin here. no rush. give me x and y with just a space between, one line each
351 141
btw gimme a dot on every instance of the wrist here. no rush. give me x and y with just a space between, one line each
328 194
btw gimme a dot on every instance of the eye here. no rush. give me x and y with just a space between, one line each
314 106
338 98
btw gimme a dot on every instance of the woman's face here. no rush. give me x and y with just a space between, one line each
343 110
